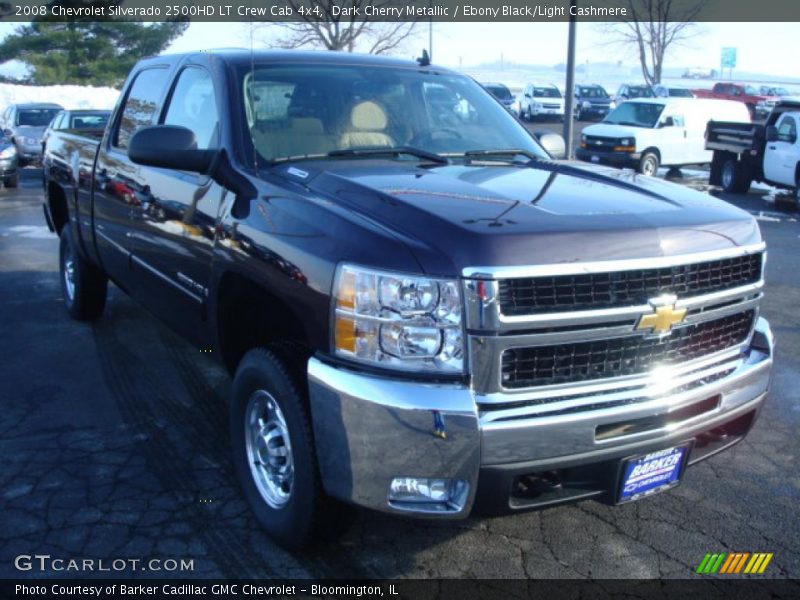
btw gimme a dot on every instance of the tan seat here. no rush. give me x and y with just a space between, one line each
297 137
368 123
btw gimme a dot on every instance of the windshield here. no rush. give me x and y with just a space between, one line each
36 117
500 91
640 91
635 114
546 92
592 92
297 111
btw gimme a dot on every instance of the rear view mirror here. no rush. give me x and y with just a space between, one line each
553 143
169 147
771 133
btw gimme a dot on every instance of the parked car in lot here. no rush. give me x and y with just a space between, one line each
9 162
24 125
502 93
419 318
664 91
778 91
540 100
757 103
592 101
76 119
651 132
629 92
770 153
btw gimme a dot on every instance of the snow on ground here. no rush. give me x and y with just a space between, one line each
68 96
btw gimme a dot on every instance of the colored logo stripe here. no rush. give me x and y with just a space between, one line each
734 563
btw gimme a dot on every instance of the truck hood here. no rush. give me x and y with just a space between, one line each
458 216
613 131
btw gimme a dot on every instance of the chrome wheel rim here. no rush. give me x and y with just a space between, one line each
649 167
269 450
727 175
69 274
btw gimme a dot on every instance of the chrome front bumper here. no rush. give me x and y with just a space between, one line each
371 429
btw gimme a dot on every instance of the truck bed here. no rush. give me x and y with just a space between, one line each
735 137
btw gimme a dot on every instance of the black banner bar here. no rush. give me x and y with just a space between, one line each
711 588
530 11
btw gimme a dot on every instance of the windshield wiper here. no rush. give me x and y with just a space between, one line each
394 151
506 155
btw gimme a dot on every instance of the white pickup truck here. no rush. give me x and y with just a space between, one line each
770 153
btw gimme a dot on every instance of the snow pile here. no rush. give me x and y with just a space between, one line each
68 96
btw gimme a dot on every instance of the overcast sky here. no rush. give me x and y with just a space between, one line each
770 48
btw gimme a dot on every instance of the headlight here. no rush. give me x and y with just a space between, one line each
587 104
29 141
9 152
612 104
397 321
537 105
626 142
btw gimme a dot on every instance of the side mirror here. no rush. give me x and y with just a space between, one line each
668 122
553 143
169 147
771 133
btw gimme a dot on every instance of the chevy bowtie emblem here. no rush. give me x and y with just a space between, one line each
663 317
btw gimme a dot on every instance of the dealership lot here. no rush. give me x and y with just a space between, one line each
114 438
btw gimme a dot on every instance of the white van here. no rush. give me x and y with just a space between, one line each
646 133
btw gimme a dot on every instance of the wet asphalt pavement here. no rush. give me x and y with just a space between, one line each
114 444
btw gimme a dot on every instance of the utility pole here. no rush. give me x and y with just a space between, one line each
569 101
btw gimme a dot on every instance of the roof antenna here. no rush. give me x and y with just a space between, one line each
425 59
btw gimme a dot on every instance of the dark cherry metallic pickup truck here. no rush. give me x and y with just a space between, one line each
424 313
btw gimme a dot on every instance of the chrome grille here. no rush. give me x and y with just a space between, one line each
549 335
605 290
619 357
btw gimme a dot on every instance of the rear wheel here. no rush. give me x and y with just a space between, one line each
734 177
83 286
273 450
648 165
11 181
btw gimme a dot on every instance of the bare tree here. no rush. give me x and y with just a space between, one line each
652 27
340 24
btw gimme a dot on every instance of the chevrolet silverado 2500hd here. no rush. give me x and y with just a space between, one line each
423 312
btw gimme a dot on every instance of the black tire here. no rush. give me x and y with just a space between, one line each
530 116
734 177
649 163
83 286
579 114
297 512
11 182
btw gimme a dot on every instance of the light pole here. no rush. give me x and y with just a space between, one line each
569 101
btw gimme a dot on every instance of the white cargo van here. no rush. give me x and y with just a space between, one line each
650 132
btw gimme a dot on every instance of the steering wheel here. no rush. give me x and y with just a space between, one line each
432 136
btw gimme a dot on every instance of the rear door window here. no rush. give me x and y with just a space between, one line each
141 105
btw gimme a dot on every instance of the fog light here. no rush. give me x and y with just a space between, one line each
450 492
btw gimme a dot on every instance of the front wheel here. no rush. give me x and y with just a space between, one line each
83 286
11 181
273 449
648 165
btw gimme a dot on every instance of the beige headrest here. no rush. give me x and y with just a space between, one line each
368 116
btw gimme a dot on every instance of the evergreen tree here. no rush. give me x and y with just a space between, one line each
86 52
